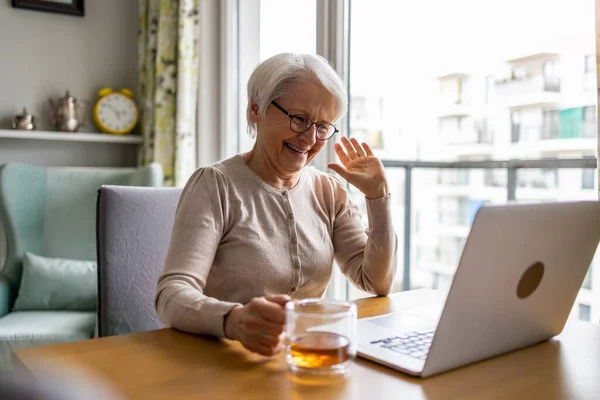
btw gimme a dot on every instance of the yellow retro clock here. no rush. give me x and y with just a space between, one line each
115 112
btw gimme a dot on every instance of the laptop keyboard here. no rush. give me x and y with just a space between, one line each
413 344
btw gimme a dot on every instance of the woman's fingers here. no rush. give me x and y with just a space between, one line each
368 150
349 148
267 310
260 349
357 147
339 150
263 339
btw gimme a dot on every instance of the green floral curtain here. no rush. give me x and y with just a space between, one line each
168 85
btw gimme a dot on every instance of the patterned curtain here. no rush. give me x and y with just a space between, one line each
168 85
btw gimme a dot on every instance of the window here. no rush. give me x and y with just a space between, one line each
484 134
585 312
587 282
358 108
523 110
390 92
287 26
589 122
515 126
551 76
550 70
590 64
550 124
489 87
518 72
266 28
587 178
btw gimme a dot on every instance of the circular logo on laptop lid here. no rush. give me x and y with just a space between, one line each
530 280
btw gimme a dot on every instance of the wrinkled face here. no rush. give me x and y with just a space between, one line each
287 151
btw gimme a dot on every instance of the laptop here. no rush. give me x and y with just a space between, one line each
516 282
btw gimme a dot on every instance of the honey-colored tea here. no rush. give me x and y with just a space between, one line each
319 349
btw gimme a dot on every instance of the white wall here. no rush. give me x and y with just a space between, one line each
43 54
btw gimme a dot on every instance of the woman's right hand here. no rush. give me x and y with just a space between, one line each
259 324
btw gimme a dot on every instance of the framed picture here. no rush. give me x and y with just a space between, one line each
72 7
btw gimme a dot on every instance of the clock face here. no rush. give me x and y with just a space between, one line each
117 113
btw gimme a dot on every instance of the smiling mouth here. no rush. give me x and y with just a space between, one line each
294 148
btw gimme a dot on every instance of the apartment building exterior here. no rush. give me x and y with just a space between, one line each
540 105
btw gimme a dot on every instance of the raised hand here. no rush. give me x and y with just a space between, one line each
361 168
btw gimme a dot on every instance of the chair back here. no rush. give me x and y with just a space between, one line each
133 232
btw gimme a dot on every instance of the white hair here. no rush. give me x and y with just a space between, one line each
274 76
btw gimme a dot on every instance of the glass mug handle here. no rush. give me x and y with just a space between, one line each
284 340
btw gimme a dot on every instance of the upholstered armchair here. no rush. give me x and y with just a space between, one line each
49 275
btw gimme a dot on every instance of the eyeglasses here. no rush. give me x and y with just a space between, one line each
301 123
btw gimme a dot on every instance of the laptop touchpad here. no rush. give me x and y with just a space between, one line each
402 322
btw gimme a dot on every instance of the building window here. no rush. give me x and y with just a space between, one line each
550 69
589 122
590 64
588 178
550 124
551 77
518 73
515 126
587 282
484 133
585 312
489 86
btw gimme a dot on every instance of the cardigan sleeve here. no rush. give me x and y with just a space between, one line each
197 231
367 257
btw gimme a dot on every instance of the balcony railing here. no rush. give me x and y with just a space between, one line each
511 168
569 130
511 87
562 130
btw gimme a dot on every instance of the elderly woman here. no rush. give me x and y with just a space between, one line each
255 230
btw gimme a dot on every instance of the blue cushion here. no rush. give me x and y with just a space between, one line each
57 284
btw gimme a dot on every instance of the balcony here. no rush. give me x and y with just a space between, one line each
569 130
454 96
563 136
528 92
453 108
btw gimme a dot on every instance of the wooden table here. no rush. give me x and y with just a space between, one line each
167 364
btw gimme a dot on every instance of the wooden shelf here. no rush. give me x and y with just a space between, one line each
72 137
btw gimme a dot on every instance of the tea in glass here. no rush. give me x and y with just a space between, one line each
320 335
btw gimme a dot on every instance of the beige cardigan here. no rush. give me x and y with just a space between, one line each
235 238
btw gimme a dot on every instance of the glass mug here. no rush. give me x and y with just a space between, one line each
320 335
